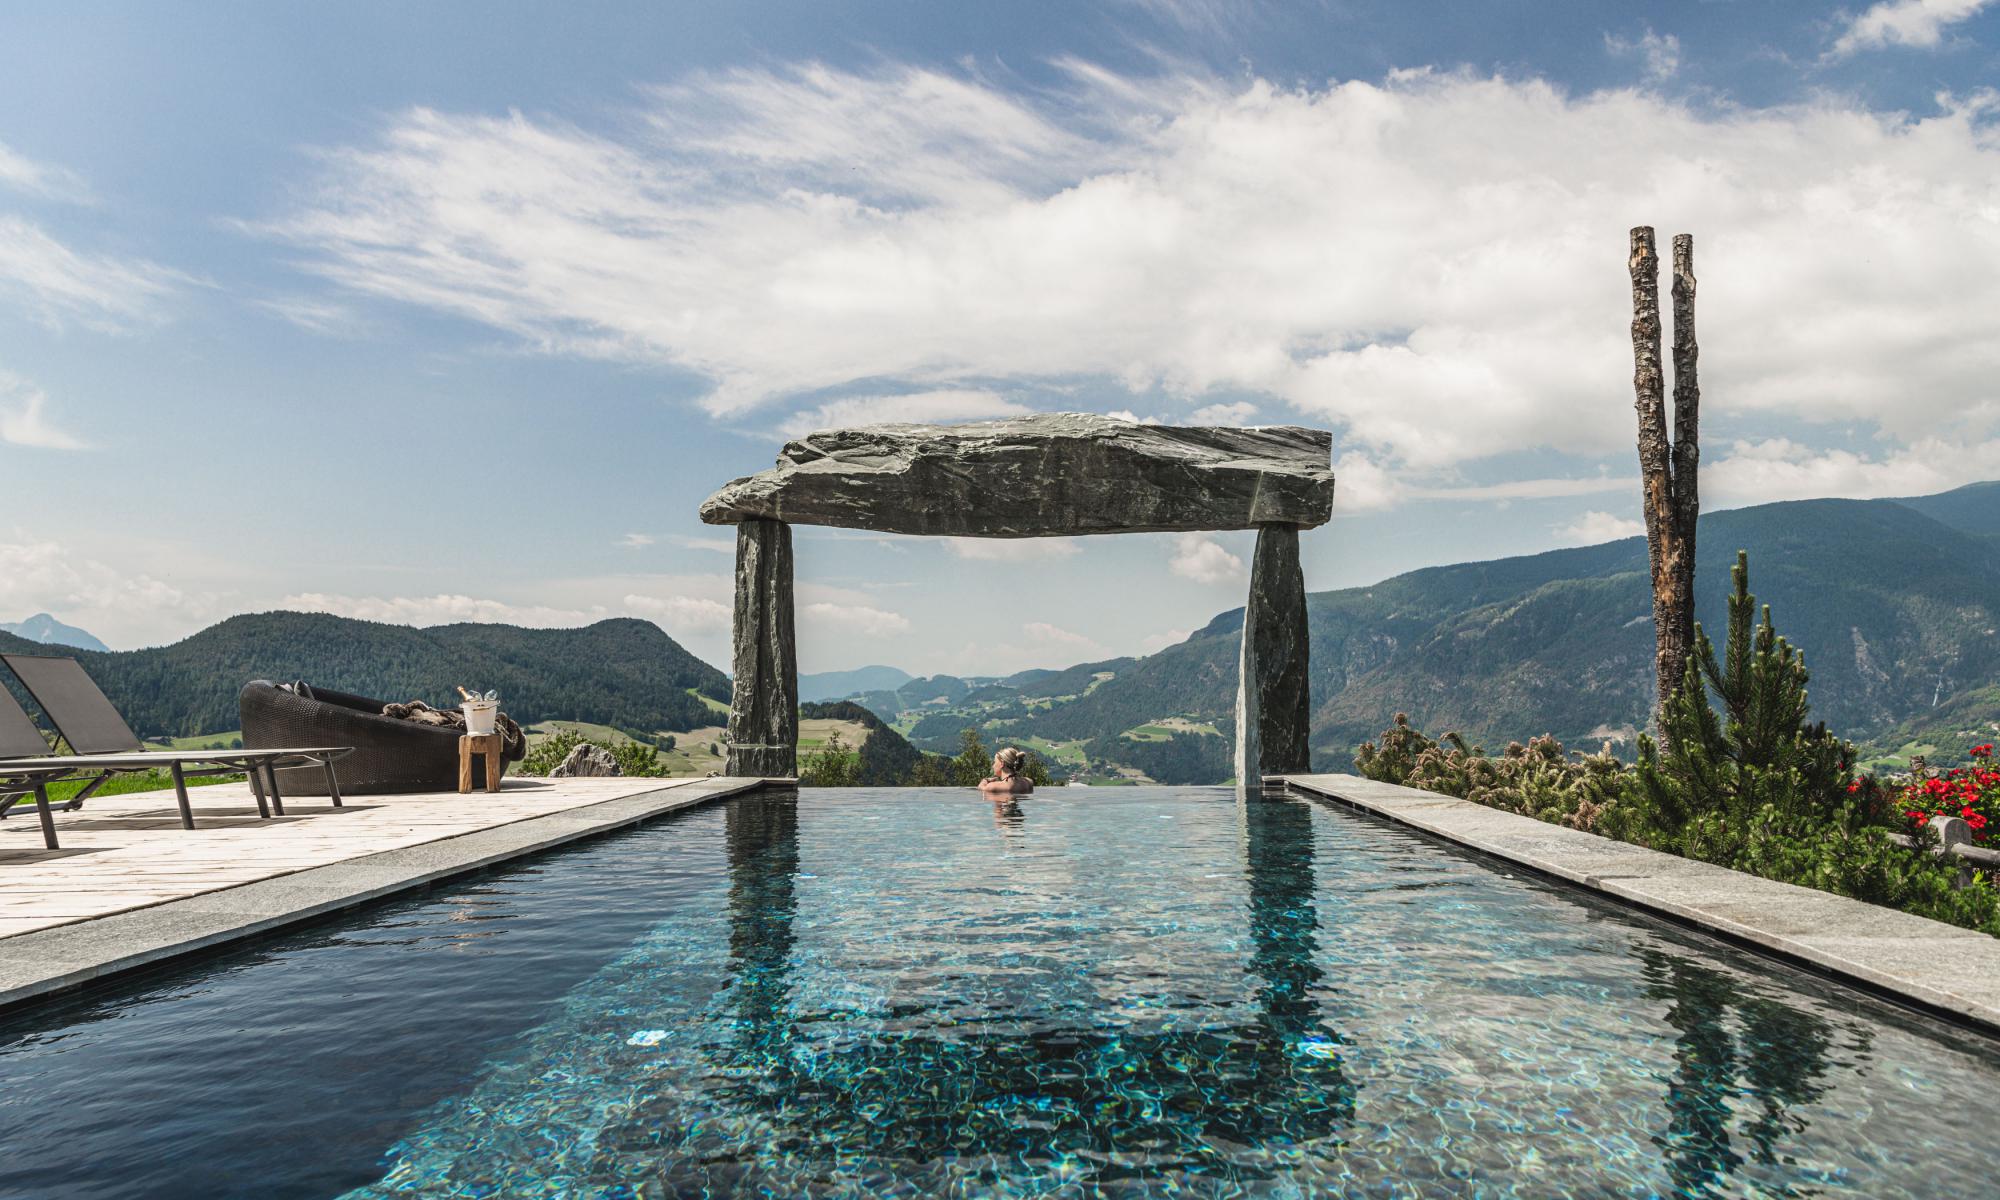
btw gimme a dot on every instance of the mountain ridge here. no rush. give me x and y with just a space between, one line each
623 671
45 630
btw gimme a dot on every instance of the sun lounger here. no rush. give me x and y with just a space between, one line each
101 742
20 738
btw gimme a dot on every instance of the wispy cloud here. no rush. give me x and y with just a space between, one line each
24 418
313 314
445 608
1201 558
682 614
21 174
1432 263
636 541
57 285
853 619
112 602
1238 413
713 545
1596 526
934 407
1011 549
1919 23
1756 472
1523 489
1661 53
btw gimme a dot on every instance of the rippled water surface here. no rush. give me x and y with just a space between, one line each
1146 992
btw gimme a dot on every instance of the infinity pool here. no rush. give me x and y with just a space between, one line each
1129 992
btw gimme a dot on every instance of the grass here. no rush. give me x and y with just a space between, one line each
714 705
232 740
814 731
136 781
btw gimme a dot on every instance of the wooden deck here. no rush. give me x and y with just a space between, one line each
127 852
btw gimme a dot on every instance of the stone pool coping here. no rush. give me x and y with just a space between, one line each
45 962
1942 968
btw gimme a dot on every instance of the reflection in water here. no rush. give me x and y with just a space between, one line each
1177 994
1007 815
1022 1085
1778 1059
762 834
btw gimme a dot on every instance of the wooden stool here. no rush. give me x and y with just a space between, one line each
492 746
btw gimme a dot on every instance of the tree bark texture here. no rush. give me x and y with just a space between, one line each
1687 438
1273 701
764 712
1668 466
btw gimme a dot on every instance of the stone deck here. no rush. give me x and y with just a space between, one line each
1940 967
131 887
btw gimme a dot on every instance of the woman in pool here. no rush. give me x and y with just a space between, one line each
1007 777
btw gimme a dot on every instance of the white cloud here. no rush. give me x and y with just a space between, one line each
317 315
636 541
931 407
713 545
1238 413
1204 560
1012 549
46 278
442 609
22 174
854 619
1432 263
682 614
1595 526
23 419
121 606
1918 23
1156 642
1041 633
1660 52
1524 489
1781 469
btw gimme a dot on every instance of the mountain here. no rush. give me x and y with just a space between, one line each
1974 508
47 631
626 673
838 685
1897 610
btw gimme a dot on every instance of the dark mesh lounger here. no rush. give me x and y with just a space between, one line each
101 741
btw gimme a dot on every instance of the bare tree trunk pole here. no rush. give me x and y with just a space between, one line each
1687 449
1655 459
1668 467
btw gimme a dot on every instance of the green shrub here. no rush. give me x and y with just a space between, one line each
1750 785
634 758
834 764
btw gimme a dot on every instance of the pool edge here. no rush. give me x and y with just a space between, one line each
1942 969
54 962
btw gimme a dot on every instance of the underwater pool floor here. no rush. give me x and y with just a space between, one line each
1145 992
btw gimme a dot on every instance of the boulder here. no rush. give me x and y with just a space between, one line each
1053 474
587 761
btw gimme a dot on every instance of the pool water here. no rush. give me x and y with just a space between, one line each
1123 992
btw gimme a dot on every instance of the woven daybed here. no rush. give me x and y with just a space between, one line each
390 755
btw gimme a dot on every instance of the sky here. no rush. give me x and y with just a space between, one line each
457 311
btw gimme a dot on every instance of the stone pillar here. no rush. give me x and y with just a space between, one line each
1273 700
764 712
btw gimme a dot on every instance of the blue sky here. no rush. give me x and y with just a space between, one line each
457 311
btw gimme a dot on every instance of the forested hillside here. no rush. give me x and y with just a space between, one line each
1897 611
627 673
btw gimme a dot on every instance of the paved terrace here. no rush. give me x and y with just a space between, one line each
1937 966
130 887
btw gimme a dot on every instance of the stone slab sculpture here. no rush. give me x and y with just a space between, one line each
1053 474
1050 475
764 702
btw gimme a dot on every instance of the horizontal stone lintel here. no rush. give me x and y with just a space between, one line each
1049 475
